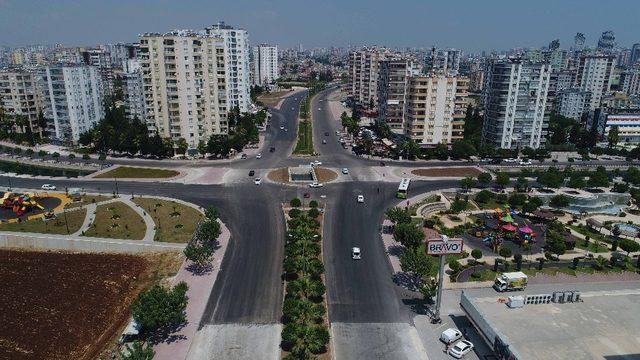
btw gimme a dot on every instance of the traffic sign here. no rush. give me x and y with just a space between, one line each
442 247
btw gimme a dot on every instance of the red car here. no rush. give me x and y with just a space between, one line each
307 195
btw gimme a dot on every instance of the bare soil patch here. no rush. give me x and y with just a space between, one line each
447 172
61 305
325 175
279 175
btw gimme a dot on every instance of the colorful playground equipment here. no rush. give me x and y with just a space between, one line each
20 203
507 229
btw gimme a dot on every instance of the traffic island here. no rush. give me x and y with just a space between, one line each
302 175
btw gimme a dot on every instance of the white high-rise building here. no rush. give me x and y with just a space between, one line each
236 52
573 103
265 64
183 75
19 95
516 111
594 75
132 87
364 68
72 100
393 86
435 108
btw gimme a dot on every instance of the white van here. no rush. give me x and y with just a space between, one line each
450 336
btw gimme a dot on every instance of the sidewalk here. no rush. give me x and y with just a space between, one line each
200 286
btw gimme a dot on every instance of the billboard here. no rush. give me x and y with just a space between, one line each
444 246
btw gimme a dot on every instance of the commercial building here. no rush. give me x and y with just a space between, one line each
184 81
265 64
556 321
364 70
237 63
393 85
435 108
19 95
516 110
573 103
594 75
72 100
628 123
133 90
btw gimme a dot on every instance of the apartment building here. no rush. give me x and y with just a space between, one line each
573 103
565 79
630 81
184 84
516 111
72 100
19 95
435 108
393 85
364 69
265 64
476 76
594 75
133 90
443 60
101 59
237 63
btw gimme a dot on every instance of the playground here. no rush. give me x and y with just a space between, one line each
24 206
504 228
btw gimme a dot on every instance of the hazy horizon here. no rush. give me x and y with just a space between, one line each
468 25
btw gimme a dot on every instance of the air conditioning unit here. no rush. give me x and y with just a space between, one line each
568 296
576 297
558 297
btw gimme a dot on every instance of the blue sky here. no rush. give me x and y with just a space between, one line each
472 25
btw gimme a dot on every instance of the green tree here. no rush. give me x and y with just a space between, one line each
485 178
522 184
211 213
462 149
302 311
502 179
613 137
137 351
417 263
295 202
208 232
505 252
552 178
576 181
559 201
159 308
306 288
599 178
181 146
629 245
467 183
517 258
398 215
531 205
408 235
199 254
313 204
484 196
454 265
305 340
476 254
410 149
84 156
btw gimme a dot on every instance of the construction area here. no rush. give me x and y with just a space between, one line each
599 321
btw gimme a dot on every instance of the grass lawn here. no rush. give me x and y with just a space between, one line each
428 200
592 247
127 172
88 199
57 226
593 235
489 275
304 146
174 222
117 221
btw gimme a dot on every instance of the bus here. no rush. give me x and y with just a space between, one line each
403 189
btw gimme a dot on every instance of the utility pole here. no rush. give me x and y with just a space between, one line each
436 315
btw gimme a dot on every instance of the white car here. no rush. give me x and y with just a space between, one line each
319 109
450 336
258 156
360 198
525 162
460 349
337 132
315 163
257 181
281 127
48 187
316 184
510 160
345 171
355 253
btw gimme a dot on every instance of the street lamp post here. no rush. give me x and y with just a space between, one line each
64 211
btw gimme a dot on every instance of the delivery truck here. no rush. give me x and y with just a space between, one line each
510 281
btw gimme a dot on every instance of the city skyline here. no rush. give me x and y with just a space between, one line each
357 23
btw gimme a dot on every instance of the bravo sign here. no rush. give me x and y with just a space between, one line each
443 247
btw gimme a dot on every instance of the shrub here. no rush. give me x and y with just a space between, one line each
294 213
476 254
295 202
313 204
313 213
159 307
454 265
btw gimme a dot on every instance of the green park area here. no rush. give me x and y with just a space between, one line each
174 222
127 172
73 219
118 221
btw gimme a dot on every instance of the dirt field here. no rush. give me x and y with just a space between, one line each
272 99
60 305
325 175
447 172
279 175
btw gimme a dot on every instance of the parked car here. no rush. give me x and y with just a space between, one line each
525 162
460 349
257 181
259 156
355 253
48 187
511 160
450 336
243 156
345 171
360 198
252 172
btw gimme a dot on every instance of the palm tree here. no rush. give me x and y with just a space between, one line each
316 338
302 311
306 288
601 262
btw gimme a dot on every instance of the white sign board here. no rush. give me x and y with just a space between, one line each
441 247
